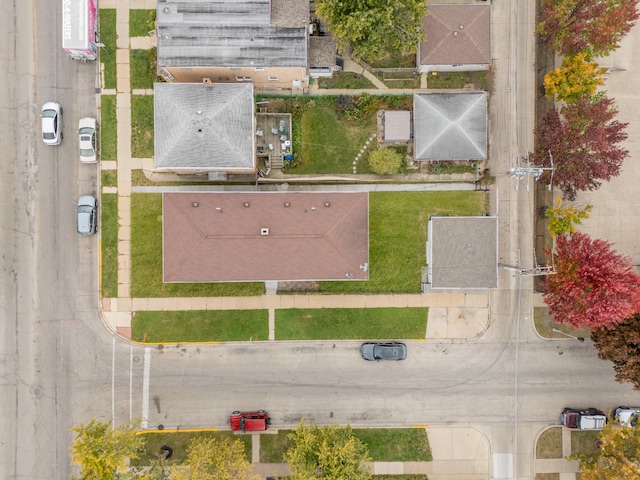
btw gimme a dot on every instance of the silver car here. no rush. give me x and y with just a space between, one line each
51 123
383 351
88 138
87 215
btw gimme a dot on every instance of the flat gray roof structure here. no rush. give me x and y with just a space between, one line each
450 126
274 236
462 252
397 125
204 127
456 35
231 33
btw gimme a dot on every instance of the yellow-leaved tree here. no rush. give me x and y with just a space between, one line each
564 219
617 458
330 452
102 450
210 458
576 78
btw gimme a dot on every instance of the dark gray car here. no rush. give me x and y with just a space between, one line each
383 351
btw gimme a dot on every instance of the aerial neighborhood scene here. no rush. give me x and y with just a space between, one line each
336 239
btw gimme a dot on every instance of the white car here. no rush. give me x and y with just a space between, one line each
627 416
51 123
87 135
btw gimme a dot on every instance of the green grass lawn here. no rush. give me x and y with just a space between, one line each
329 145
458 80
109 178
109 243
584 442
344 80
545 324
146 258
141 22
384 444
549 444
396 444
108 128
329 131
108 38
179 441
346 323
143 68
200 326
397 236
142 126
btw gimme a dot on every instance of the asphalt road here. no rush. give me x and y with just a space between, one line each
52 340
59 365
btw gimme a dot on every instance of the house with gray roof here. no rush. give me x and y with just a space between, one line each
450 126
462 253
458 38
204 128
264 42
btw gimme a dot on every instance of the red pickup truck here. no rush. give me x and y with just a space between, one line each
249 421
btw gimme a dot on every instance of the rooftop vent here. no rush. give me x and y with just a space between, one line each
246 204
264 232
327 204
195 204
207 82
287 204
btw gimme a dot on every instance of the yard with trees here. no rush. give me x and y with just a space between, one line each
372 28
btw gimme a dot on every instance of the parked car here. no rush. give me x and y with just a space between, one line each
51 123
627 416
589 419
87 135
249 421
383 351
87 215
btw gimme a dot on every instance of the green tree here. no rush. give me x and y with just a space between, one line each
215 459
374 28
330 452
576 78
102 450
385 160
617 458
564 219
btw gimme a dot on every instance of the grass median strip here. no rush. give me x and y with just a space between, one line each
200 326
109 239
350 323
179 441
384 444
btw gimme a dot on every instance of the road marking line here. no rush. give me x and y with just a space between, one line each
145 388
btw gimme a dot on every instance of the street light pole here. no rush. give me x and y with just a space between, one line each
580 339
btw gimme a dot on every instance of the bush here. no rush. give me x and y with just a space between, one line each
385 160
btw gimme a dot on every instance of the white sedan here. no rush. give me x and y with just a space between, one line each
51 123
87 135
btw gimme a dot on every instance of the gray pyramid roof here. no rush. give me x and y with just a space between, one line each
208 128
450 126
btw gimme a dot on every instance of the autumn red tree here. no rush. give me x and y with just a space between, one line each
593 285
583 139
621 345
593 26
